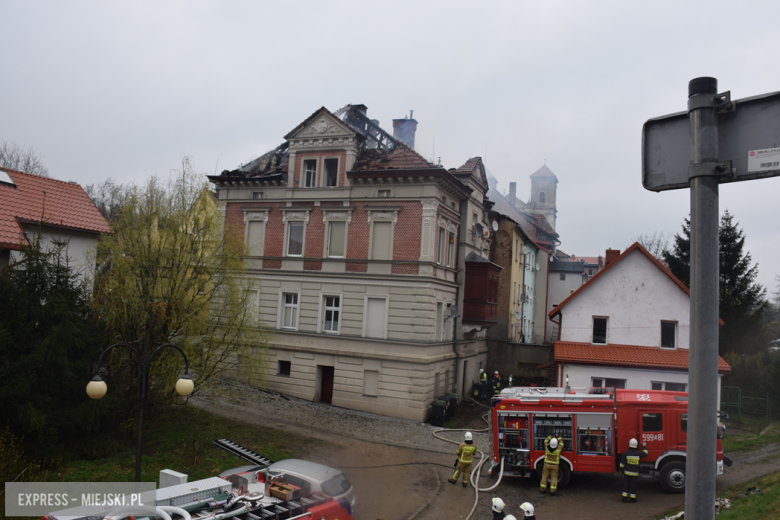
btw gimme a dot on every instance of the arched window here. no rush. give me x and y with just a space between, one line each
541 196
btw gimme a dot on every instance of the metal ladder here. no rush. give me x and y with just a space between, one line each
245 453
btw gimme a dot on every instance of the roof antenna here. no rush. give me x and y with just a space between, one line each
433 158
216 166
545 159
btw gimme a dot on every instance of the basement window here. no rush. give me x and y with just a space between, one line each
284 368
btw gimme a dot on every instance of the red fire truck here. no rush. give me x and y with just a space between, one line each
596 425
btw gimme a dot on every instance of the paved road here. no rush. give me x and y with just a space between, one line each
409 490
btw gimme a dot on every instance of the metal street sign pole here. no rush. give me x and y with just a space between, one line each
703 353
716 141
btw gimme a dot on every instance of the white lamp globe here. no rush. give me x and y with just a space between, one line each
96 388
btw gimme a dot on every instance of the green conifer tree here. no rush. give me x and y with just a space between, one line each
742 300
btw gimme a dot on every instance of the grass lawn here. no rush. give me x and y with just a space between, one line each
752 507
733 442
180 438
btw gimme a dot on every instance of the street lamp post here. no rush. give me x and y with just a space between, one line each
97 387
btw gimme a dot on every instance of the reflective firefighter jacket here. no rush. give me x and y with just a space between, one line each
466 452
552 456
630 462
496 383
483 378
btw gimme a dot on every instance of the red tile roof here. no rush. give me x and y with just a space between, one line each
402 157
542 222
627 356
467 167
36 198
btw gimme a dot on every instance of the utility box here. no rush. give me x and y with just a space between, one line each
169 478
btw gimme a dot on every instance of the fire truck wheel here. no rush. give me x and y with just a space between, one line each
563 474
673 477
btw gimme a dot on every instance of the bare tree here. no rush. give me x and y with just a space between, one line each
109 197
23 159
656 243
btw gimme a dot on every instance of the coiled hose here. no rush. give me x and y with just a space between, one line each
475 472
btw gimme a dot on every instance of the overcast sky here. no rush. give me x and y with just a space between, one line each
125 89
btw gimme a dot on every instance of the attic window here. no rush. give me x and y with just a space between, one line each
6 179
257 195
600 331
443 199
383 193
668 333
309 173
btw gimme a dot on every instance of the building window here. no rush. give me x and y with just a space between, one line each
441 251
669 387
375 318
439 330
668 334
255 237
284 368
257 195
474 229
517 250
444 200
451 250
384 193
382 241
541 196
514 292
331 172
331 314
590 272
337 234
448 330
370 383
605 382
295 239
454 206
290 311
600 331
563 276
309 173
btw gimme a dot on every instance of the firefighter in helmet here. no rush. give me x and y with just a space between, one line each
498 509
483 384
465 453
552 457
496 383
528 511
630 467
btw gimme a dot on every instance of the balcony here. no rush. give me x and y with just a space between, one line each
480 296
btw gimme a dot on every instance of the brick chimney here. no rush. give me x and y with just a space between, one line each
611 255
512 192
404 129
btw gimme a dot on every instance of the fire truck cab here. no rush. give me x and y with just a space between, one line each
596 425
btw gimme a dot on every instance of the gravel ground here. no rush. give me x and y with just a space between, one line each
360 425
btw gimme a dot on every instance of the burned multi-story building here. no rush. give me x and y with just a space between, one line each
364 252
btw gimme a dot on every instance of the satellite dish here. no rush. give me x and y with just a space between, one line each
454 311
494 225
479 230
538 267
518 314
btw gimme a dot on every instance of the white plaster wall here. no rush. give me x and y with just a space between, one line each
76 252
636 378
636 295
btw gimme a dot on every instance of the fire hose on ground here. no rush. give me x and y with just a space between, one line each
475 472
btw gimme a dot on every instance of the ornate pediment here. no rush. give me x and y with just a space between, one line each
321 125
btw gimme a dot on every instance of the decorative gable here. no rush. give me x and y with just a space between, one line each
321 129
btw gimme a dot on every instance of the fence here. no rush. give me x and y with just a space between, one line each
740 407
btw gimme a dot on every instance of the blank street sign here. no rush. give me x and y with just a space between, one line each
749 137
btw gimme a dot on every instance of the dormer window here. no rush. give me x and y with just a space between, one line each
309 173
331 172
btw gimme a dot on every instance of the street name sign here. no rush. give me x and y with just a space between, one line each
748 137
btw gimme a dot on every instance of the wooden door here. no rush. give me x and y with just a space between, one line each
326 390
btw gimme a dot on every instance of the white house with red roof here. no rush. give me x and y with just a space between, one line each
627 327
61 211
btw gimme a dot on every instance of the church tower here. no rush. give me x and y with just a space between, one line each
544 185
